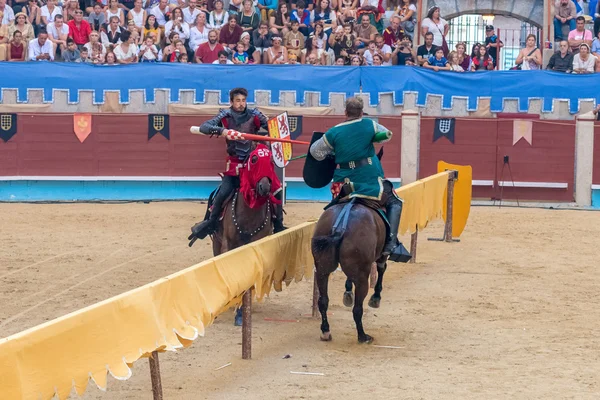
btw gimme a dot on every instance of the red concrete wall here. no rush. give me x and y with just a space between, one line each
596 173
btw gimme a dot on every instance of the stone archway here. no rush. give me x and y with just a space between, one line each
531 11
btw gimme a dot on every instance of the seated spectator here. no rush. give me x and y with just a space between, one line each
404 54
365 32
71 6
231 34
170 48
277 54
235 7
292 59
562 60
160 12
280 23
492 43
22 25
254 56
347 11
127 51
261 39
437 62
596 46
597 19
294 40
356 61
138 15
453 62
16 48
58 32
191 12
97 18
317 43
579 35
218 17
377 60
84 57
483 61
343 43
267 8
71 53
407 11
148 51
208 52
112 35
384 50
393 34
79 29
4 38
464 60
530 58
249 19
151 26
312 59
302 15
40 49
584 62
564 14
177 24
114 10
8 14
94 45
425 51
135 34
34 14
183 59
340 61
370 52
435 25
240 56
110 59
223 60
326 15
173 56
49 11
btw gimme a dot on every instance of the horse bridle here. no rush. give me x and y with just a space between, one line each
235 222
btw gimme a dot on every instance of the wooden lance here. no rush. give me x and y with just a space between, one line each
235 135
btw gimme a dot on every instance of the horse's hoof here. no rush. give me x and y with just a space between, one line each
326 337
366 340
374 302
348 299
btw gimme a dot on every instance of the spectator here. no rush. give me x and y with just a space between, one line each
79 29
199 33
171 48
71 53
240 56
84 57
218 17
113 10
111 59
223 60
483 61
292 59
393 34
596 51
8 15
277 54
138 15
22 25
254 56
355 61
69 11
177 24
294 40
312 59
453 62
365 32
404 54
40 49
407 12
564 14
492 43
34 15
249 19
127 51
326 15
343 43
136 37
579 35
261 39
191 12
208 52
267 8
464 60
384 50
280 23
48 12
160 12
151 26
97 18
339 61
438 26
370 52
437 62
3 39
235 7
94 46
179 49
347 11
58 32
562 60
377 60
317 43
183 59
597 19
16 47
584 62
230 35
112 35
302 15
148 51
530 58
425 51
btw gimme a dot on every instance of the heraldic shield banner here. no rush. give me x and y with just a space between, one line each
279 127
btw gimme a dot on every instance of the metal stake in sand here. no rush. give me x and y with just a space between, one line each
157 393
247 325
452 177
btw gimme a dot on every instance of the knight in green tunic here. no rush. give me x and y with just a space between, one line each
351 143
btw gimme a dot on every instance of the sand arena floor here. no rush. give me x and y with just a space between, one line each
511 311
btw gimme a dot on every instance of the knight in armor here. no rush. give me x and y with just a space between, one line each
242 119
360 171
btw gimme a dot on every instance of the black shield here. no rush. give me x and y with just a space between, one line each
318 174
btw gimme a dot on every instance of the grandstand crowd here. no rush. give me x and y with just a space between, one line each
327 32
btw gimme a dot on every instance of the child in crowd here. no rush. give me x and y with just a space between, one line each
438 61
72 53
453 62
84 56
240 56
148 51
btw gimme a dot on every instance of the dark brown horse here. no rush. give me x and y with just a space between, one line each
355 246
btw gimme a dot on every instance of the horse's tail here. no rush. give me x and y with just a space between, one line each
328 246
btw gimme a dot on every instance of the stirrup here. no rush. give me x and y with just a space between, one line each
203 229
400 254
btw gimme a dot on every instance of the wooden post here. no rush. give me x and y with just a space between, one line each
247 325
315 302
449 207
413 246
157 393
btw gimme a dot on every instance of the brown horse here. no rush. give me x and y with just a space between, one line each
355 245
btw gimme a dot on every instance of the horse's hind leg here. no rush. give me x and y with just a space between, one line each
360 292
375 300
348 295
322 283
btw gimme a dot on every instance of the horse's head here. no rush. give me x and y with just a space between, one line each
259 172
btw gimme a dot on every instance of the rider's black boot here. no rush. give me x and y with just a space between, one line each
207 227
393 210
278 220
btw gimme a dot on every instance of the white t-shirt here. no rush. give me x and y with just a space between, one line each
53 31
9 15
190 16
146 52
436 29
184 30
368 57
50 16
197 37
386 49
121 55
160 16
228 62
588 65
